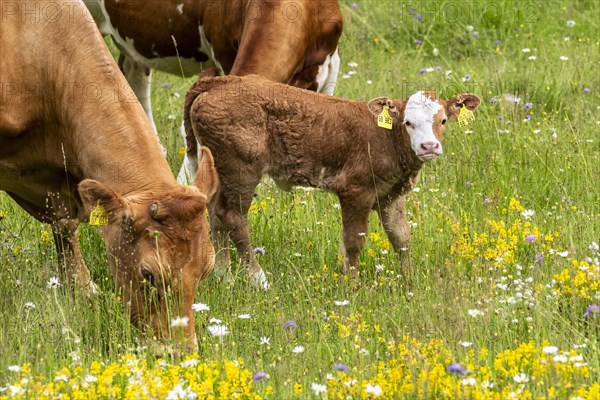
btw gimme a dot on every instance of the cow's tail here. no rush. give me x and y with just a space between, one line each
196 90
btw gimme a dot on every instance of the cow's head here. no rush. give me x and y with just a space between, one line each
158 248
425 117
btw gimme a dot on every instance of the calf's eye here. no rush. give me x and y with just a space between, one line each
407 123
444 121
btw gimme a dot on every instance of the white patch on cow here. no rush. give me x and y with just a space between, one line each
172 65
259 280
180 9
328 72
419 112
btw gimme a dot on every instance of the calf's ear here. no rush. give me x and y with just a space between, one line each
94 193
207 179
377 105
469 100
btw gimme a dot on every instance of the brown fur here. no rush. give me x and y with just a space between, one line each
62 154
254 126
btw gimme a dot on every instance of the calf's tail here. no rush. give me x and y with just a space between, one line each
196 90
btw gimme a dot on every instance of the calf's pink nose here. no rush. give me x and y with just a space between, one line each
430 147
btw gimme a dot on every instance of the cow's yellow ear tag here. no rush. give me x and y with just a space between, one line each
98 216
384 120
465 117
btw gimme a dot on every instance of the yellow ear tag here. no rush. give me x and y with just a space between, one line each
384 120
98 216
465 117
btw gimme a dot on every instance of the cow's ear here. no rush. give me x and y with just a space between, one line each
207 179
469 100
376 106
94 193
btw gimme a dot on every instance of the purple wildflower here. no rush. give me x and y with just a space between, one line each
260 250
475 34
340 367
422 71
592 309
530 238
467 183
411 11
586 90
354 5
539 258
497 42
528 116
493 101
487 200
500 117
419 17
438 68
325 319
457 369
418 42
166 85
512 53
528 105
290 325
260 376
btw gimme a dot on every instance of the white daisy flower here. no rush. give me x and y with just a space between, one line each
199 307
180 322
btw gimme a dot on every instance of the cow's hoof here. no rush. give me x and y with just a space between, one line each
259 280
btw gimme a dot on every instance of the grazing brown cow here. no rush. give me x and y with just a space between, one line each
72 141
256 127
288 41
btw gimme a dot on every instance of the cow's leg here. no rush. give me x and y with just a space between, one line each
70 259
140 80
392 214
189 167
71 264
355 219
327 85
232 211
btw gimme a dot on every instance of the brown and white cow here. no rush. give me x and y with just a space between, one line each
71 140
288 41
256 127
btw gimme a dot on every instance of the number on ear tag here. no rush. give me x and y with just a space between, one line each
384 120
98 216
465 116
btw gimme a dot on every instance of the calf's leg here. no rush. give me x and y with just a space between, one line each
392 214
220 237
231 209
355 219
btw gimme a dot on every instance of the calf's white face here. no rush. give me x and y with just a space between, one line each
424 120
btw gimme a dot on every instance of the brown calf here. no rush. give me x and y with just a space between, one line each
256 127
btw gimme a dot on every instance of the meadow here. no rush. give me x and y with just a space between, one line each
503 296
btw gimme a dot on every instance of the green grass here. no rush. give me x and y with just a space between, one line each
550 163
